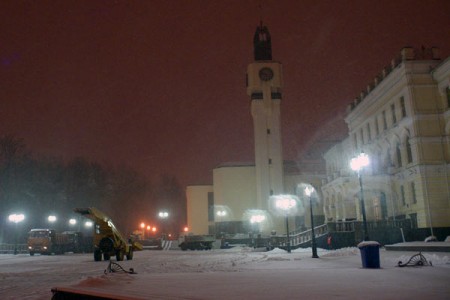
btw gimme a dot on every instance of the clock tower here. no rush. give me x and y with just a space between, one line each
264 84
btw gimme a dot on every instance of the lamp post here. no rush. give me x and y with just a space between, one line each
221 214
308 191
163 215
51 219
356 164
16 219
143 230
256 220
285 203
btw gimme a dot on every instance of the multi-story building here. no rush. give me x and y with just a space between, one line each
402 122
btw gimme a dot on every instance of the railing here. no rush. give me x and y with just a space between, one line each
297 238
350 226
9 248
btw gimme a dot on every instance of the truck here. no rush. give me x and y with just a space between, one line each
108 241
49 241
196 242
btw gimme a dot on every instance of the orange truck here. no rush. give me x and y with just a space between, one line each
48 241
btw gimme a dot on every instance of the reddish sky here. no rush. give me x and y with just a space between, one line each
160 85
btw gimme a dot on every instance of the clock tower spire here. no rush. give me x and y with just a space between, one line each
264 84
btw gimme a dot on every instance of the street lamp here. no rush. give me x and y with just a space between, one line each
51 219
286 203
163 215
356 164
308 191
256 220
143 230
16 219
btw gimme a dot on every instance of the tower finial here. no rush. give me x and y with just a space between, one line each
262 43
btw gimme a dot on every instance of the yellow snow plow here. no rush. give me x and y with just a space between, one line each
108 241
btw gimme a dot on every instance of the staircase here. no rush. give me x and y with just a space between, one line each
300 239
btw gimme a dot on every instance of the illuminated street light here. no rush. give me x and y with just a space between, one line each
51 219
356 164
309 191
16 219
72 222
88 224
285 203
163 215
221 213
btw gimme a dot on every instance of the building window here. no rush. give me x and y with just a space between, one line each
361 133
377 129
402 104
394 117
413 192
355 141
399 156
448 96
211 206
384 120
409 150
402 192
270 161
369 134
268 131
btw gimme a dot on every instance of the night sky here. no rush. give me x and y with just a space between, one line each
160 85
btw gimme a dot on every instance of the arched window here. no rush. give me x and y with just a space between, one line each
409 150
399 155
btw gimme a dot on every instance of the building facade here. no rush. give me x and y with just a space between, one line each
402 122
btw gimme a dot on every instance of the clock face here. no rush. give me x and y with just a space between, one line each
266 74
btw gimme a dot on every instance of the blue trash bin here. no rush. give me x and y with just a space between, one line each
370 254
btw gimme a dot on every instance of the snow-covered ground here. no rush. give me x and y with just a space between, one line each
237 273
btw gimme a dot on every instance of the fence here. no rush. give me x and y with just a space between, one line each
9 248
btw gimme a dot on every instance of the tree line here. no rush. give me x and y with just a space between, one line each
38 186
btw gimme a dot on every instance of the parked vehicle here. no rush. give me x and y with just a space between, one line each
196 242
48 241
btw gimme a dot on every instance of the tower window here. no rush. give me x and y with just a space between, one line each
210 206
369 134
268 131
270 161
